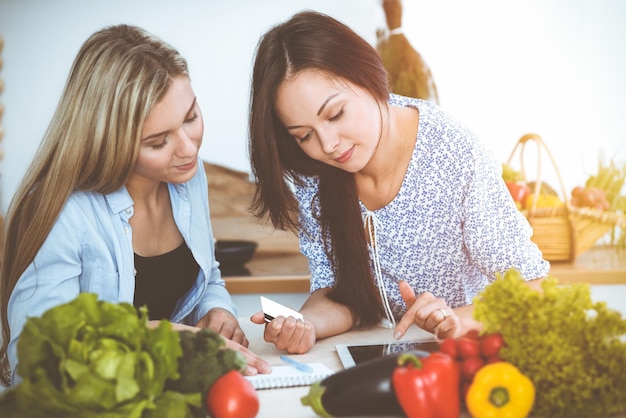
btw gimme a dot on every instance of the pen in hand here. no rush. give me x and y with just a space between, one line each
298 365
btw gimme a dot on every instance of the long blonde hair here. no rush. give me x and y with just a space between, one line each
91 144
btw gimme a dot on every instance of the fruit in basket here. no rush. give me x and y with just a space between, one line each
545 188
611 177
543 201
590 197
510 174
519 192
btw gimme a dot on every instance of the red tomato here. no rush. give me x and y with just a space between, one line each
472 334
468 347
519 191
232 396
470 366
449 347
491 344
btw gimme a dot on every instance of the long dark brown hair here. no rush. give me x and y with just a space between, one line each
311 40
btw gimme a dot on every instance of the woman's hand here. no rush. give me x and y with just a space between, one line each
322 318
255 364
225 324
290 334
429 313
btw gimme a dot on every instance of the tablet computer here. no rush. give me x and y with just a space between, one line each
353 354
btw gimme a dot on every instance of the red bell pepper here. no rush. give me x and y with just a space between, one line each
427 387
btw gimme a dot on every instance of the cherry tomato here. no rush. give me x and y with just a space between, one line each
472 334
232 396
468 347
449 347
470 366
491 344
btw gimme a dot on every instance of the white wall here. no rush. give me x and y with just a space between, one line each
555 67
217 37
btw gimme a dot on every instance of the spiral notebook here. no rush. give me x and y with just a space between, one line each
289 376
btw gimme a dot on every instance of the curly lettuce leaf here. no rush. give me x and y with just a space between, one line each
89 358
574 350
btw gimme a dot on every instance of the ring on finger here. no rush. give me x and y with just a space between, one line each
444 313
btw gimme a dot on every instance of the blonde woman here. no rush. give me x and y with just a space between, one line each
115 202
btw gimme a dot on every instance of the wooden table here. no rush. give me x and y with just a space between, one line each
288 272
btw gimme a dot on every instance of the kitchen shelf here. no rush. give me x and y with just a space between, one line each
288 272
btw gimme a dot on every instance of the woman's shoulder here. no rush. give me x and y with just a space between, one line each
420 104
89 204
437 127
430 112
81 209
305 187
84 200
434 121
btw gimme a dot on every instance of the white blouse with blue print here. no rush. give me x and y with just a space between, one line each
450 229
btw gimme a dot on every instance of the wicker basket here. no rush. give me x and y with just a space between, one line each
562 233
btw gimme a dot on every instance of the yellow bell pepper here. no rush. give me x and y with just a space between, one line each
500 390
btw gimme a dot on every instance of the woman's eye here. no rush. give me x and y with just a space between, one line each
337 116
192 118
304 138
160 145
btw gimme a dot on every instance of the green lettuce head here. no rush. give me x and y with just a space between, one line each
89 358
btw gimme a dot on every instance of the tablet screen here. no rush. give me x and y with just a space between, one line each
353 354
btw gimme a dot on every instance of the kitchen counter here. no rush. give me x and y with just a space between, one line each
271 272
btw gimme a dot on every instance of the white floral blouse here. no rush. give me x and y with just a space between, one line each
450 229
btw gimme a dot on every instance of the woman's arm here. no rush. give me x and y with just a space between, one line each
328 317
322 318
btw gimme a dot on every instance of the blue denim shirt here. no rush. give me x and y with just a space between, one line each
89 249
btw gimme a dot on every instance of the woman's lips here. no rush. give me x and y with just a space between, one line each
345 156
188 166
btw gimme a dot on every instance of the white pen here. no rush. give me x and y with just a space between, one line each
295 363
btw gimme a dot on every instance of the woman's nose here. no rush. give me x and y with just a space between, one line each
329 143
186 144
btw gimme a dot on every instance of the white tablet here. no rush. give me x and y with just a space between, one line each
353 354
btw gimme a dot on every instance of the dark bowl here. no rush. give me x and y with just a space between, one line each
234 252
